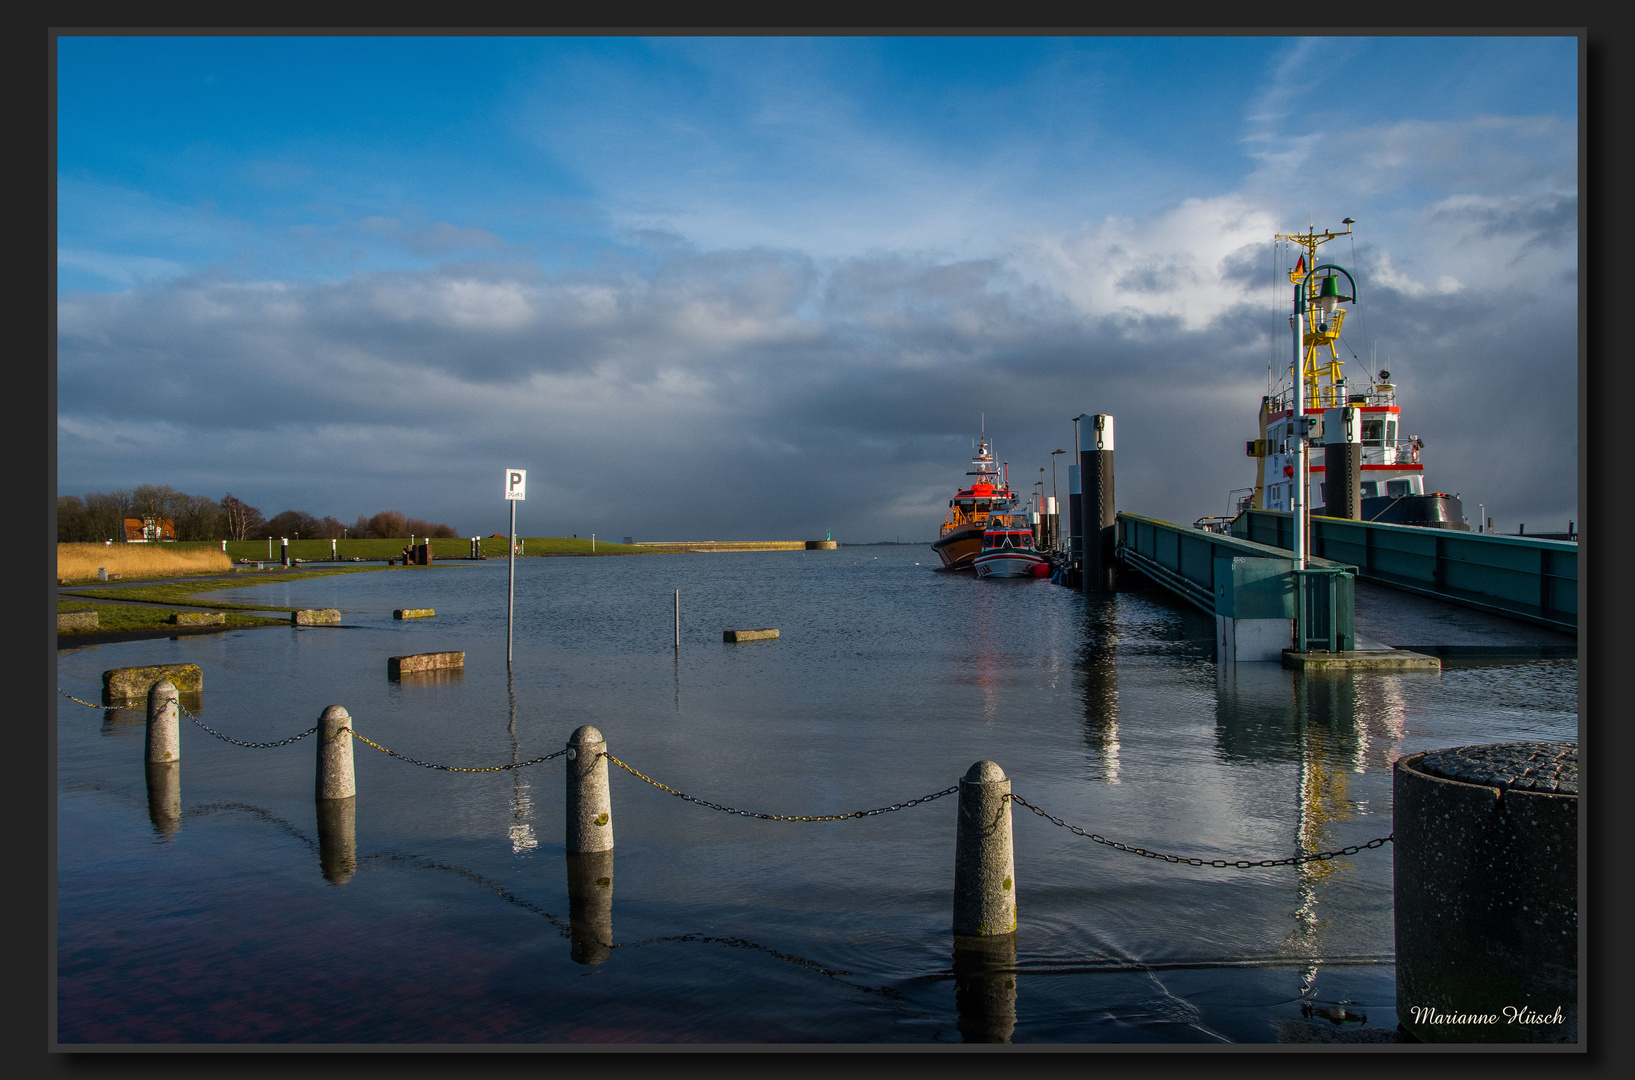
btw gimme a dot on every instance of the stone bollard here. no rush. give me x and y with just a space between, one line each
338 837
1486 893
590 811
165 797
164 735
985 988
590 905
984 863
335 776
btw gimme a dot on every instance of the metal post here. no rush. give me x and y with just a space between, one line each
590 810
984 860
511 591
1297 497
593 542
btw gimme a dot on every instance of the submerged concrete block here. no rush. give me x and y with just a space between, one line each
413 613
123 684
76 620
316 617
199 618
748 635
398 666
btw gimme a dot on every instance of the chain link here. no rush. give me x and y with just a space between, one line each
71 697
236 742
782 817
446 768
1238 864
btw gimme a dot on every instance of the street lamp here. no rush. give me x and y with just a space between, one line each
1056 535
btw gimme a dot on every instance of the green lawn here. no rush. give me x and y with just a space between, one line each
182 592
131 617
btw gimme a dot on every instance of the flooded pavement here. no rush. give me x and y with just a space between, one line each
443 907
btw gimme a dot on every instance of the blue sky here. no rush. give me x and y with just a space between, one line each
799 265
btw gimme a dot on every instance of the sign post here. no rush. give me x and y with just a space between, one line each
516 486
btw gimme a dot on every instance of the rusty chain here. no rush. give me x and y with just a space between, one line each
445 768
1236 864
782 817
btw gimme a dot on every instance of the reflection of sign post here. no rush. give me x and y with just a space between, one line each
516 486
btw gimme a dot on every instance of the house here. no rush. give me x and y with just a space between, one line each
143 530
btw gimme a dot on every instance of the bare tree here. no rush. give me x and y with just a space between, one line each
244 521
73 522
388 525
106 514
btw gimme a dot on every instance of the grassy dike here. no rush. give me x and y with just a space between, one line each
153 604
457 548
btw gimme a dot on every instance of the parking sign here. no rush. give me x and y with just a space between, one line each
516 482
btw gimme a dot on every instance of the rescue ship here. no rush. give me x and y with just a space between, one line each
1008 549
968 511
1391 476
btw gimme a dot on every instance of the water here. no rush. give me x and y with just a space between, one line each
887 682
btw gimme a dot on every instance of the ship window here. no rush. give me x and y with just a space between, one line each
1398 488
1370 489
1390 433
1322 492
1373 432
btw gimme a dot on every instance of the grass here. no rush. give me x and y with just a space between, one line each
457 548
81 561
181 593
117 617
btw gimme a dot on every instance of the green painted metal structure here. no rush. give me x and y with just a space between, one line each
1521 577
1241 579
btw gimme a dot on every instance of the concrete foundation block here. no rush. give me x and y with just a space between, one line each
1486 893
413 613
199 618
398 666
748 635
316 617
76 620
120 685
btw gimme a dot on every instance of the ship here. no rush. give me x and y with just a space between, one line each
989 492
1008 549
1390 472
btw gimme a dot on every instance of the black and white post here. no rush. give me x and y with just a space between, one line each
516 486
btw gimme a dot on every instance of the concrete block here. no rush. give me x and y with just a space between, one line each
199 618
1361 660
316 617
76 620
822 545
748 635
398 666
413 613
120 685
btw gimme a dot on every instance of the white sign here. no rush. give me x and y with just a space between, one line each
516 482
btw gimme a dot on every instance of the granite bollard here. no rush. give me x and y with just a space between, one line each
164 737
336 778
984 859
590 810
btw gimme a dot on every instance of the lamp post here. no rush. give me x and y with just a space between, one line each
1056 534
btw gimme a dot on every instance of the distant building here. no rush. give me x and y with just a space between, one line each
145 530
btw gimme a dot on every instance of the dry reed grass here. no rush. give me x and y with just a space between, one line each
79 562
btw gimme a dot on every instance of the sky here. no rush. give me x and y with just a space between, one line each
768 288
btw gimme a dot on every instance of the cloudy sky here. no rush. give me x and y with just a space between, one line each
759 288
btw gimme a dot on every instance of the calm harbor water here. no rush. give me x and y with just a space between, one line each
887 682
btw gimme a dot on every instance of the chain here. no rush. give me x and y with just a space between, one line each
446 768
1238 864
235 742
71 697
782 817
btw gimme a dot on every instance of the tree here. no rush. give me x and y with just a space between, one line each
244 521
198 517
291 523
106 514
388 525
73 522
419 527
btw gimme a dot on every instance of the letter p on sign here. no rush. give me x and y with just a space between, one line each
516 483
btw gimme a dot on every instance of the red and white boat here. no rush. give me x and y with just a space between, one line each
1008 551
969 510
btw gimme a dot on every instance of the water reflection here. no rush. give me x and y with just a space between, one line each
985 987
165 797
522 806
590 906
338 839
1098 666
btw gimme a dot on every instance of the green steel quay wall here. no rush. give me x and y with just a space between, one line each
1521 577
